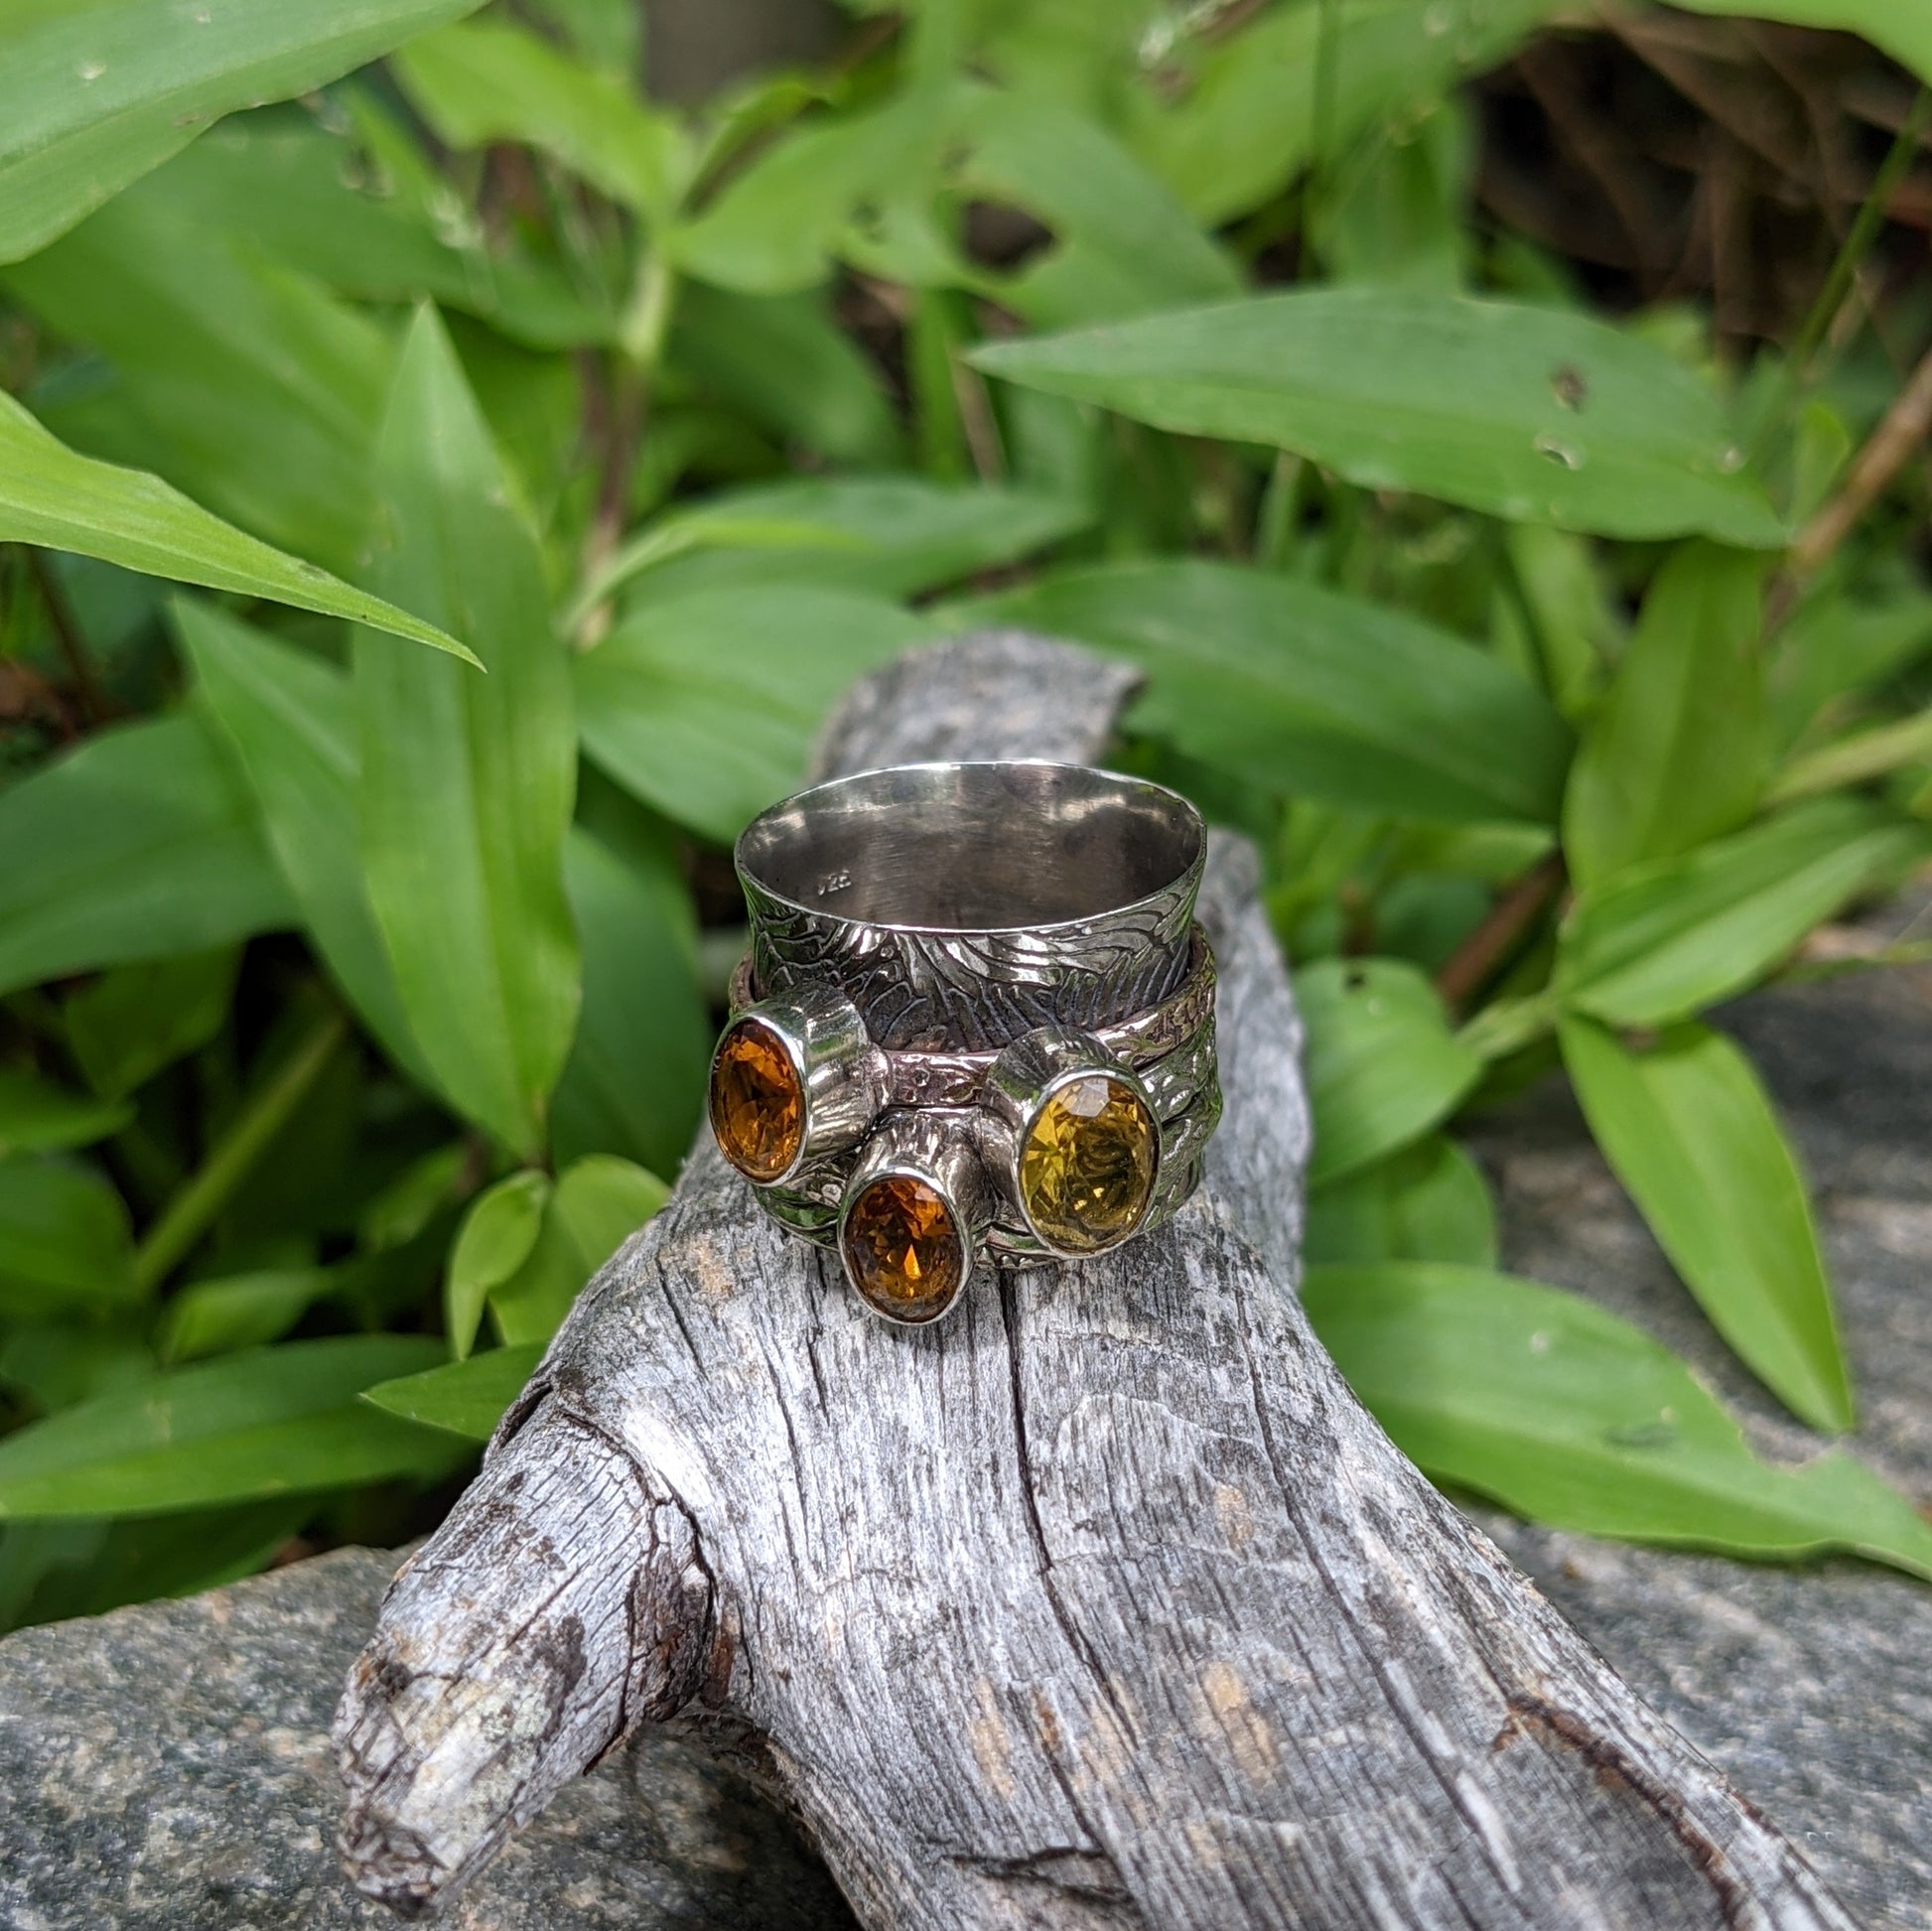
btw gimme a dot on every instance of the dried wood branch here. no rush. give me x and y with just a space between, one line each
1106 1604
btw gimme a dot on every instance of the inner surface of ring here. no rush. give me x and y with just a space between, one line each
973 847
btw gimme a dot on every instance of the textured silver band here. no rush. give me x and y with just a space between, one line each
1147 1041
960 906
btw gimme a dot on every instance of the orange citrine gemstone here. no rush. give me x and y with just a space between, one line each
1086 1170
903 1249
758 1104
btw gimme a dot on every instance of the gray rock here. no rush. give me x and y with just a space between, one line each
169 1769
168 1766
1811 1686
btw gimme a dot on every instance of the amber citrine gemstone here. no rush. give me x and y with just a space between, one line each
1086 1169
903 1249
758 1104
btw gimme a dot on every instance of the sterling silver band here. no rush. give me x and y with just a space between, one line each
976 1022
959 907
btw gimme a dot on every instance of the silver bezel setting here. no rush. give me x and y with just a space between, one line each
843 1078
1022 1083
937 1150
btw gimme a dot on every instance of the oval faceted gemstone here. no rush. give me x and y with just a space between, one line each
757 1105
1086 1169
903 1248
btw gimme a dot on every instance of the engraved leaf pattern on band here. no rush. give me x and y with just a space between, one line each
979 991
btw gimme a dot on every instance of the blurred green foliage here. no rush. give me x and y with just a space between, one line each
1566 664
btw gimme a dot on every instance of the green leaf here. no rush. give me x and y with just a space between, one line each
1245 124
467 783
497 1237
602 1201
372 220
279 1420
783 363
1677 752
705 706
139 844
1123 243
237 1311
1855 759
1571 1416
593 1208
290 718
886 535
128 1024
488 81
93 96
39 1117
1305 691
251 388
467 1398
1690 1132
87 1567
636 1077
776 224
1660 941
1426 1203
64 1247
1836 646
52 496
1904 30
1381 1064
1528 413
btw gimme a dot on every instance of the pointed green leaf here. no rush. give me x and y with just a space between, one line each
466 782
497 1235
887 535
1382 1065
1676 754
467 1398
64 1247
1690 1132
52 496
1897 26
278 1421
128 1024
634 1082
237 1311
1426 1203
705 706
1302 690
488 80
1531 414
593 1208
1571 1416
1246 124
37 1116
1660 941
92 97
290 718
141 842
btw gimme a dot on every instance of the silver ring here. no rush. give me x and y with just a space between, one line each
975 1023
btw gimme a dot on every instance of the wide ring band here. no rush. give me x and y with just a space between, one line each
975 1023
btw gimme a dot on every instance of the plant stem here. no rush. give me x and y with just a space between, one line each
190 1214
1901 430
1862 232
1464 972
66 630
1327 57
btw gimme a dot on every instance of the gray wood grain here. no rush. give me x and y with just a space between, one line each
1105 1605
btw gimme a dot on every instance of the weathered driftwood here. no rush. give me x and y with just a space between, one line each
1105 1605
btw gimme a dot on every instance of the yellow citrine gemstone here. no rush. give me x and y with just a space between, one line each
1086 1169
902 1248
758 1103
